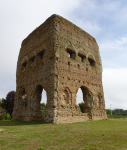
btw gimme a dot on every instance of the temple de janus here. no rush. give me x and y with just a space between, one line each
60 58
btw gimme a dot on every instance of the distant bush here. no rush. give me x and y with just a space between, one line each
116 116
6 117
81 105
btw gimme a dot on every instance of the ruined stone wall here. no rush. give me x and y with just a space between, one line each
60 58
35 67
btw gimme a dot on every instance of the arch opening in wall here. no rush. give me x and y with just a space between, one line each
71 53
99 100
37 100
82 57
66 96
79 100
85 97
40 55
43 101
91 60
24 65
31 60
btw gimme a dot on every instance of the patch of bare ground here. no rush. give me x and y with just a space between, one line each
1 129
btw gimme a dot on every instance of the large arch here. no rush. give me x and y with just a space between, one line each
87 99
36 98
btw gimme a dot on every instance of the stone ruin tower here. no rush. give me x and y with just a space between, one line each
60 58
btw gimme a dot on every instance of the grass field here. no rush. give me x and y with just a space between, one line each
108 134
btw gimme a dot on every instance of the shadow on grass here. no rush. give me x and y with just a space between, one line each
19 123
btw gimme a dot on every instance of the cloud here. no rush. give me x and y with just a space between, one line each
114 53
115 87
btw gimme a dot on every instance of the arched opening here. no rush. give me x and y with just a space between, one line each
38 100
24 64
40 55
82 57
85 98
91 61
31 60
79 100
71 53
65 97
43 101
99 100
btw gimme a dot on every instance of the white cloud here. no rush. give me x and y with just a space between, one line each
119 44
89 27
114 53
115 87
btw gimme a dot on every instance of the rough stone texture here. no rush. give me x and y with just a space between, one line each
60 58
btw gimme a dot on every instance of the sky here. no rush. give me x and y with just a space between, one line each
106 20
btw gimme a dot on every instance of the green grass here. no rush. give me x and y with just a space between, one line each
108 134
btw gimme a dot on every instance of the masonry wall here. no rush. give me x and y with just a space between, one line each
69 59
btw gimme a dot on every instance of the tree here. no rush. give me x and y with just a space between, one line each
1 101
81 105
108 111
8 103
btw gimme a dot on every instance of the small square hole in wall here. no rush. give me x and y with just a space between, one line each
24 64
68 63
40 54
78 66
86 69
